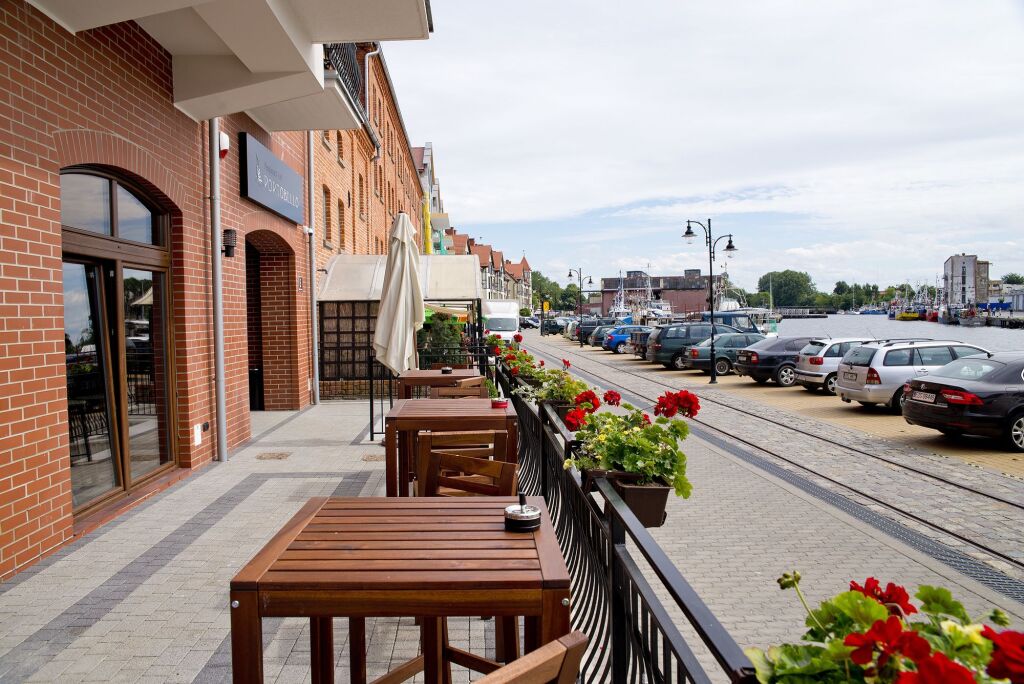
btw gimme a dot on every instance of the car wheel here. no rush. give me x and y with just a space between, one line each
785 376
620 348
897 401
723 367
830 384
677 362
1015 432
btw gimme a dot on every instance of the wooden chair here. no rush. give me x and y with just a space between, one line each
557 662
452 474
459 392
470 382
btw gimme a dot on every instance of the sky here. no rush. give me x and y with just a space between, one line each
855 140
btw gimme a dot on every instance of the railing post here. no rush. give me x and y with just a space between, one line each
369 374
543 454
617 595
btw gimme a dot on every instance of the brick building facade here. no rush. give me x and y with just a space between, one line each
106 326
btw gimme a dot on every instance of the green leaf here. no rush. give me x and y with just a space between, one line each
762 666
940 601
863 610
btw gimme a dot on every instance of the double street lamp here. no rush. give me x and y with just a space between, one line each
729 250
590 281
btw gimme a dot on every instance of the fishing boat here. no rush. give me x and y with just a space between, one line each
908 315
970 318
871 310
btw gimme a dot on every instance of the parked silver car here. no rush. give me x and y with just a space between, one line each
817 367
874 373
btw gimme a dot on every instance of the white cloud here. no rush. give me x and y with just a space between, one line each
877 122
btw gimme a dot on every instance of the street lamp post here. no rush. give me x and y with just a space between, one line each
730 249
579 297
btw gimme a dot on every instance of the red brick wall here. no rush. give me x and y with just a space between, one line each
104 97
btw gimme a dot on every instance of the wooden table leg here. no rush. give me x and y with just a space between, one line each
246 638
321 651
555 616
357 650
433 650
512 448
506 638
531 633
390 461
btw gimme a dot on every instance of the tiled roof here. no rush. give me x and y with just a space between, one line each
525 264
497 260
460 242
514 270
483 252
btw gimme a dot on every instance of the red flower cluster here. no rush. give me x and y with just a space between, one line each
1007 656
497 351
589 398
514 370
612 398
565 364
937 669
518 338
510 357
646 418
541 362
575 419
895 597
889 638
671 403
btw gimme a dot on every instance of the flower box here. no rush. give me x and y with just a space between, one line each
647 501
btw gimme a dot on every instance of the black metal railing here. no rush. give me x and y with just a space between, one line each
460 356
342 58
382 389
632 636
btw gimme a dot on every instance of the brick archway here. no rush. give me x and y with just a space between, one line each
271 322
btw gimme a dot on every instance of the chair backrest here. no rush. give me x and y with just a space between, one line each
458 392
470 382
465 475
557 662
492 444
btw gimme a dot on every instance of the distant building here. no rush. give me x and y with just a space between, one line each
965 278
685 293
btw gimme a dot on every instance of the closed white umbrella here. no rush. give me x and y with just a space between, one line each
401 300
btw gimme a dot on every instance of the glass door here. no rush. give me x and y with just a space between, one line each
95 466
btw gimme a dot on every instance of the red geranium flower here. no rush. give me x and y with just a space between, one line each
612 398
588 397
510 357
541 362
1007 656
895 597
666 405
517 337
497 351
514 370
565 364
938 669
887 637
575 419
646 419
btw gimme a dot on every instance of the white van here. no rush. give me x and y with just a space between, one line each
501 318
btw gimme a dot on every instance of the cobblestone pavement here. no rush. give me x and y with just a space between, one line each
145 598
745 526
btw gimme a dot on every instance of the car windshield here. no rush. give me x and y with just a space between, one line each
971 368
502 324
812 348
860 356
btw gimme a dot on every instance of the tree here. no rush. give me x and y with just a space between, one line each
841 288
525 312
570 298
545 289
789 288
1013 279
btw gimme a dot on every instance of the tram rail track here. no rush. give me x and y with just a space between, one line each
994 553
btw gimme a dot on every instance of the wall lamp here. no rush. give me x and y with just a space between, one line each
230 242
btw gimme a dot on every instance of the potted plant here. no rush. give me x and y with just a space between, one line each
866 634
641 457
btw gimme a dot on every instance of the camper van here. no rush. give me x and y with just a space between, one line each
501 317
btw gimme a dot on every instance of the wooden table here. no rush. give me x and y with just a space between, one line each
409 416
384 557
416 377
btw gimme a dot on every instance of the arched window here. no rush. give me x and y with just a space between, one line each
117 347
341 225
326 203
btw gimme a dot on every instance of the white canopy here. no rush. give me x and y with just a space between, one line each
360 278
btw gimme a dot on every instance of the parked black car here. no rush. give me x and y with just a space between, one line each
588 326
974 395
773 358
667 342
529 322
551 326
597 335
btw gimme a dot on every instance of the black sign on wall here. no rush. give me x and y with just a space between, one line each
268 181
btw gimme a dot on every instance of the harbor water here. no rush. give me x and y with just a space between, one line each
882 327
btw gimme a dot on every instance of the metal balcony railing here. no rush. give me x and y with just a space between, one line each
341 58
618 572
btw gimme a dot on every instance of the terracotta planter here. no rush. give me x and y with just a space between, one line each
646 501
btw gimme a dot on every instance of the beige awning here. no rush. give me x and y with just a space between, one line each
360 278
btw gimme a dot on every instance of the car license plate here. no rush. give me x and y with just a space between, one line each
849 376
918 395
741 357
